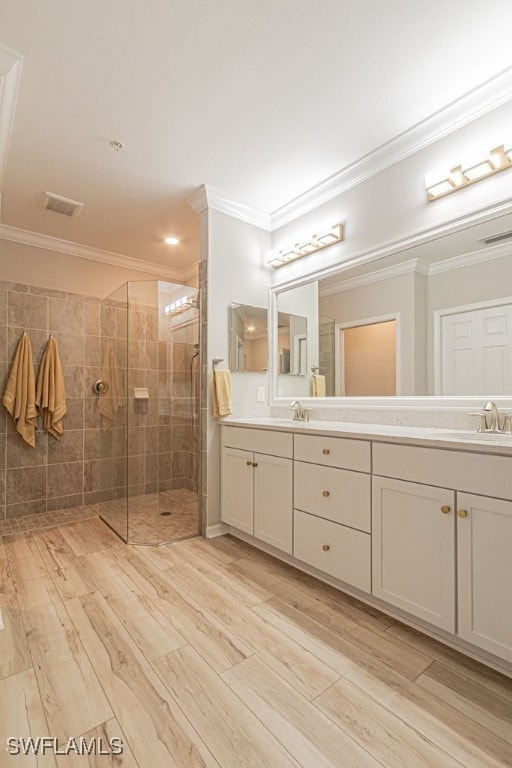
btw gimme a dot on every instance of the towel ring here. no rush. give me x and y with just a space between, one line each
100 387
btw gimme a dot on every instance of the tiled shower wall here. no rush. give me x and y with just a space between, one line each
155 446
53 475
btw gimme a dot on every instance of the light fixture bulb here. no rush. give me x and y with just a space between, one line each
171 241
251 328
478 171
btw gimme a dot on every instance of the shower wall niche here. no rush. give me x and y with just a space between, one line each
149 369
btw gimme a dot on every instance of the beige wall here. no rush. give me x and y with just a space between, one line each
58 271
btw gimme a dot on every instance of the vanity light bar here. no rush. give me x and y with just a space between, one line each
180 305
458 178
317 243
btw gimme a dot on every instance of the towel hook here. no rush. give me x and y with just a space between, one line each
216 361
315 369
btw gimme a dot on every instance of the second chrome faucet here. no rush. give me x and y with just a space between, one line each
490 419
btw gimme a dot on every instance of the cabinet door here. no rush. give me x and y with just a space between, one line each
237 489
484 537
273 503
413 549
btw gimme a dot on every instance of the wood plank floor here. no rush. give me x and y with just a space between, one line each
211 653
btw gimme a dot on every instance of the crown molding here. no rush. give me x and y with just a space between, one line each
468 259
49 243
420 267
472 105
10 71
209 197
413 265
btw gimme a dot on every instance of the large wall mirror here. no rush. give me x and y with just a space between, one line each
248 334
435 319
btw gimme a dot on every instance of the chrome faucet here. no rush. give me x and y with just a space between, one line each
301 413
492 408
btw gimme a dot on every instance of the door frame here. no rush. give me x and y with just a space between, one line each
339 349
439 314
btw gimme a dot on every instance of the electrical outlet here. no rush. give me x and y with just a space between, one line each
261 394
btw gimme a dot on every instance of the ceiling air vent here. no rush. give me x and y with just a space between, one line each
493 239
62 205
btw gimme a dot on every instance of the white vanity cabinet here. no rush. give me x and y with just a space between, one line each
257 484
484 551
332 500
445 556
413 549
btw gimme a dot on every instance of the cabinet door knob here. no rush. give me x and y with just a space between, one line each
249 463
255 463
326 451
326 547
462 513
445 509
325 493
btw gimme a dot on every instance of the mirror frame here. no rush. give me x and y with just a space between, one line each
430 402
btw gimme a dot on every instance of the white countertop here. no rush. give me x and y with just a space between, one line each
426 436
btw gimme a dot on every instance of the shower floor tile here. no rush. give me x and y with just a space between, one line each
155 518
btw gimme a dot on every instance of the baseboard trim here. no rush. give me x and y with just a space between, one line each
212 531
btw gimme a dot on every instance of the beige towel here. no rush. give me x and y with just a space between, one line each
20 392
114 397
318 385
50 390
222 405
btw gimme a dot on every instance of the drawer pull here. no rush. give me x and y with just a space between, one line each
462 513
249 463
255 463
445 509
326 547
326 451
325 493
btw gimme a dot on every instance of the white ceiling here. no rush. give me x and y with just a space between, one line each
262 100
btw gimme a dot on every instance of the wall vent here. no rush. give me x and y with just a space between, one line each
62 205
492 239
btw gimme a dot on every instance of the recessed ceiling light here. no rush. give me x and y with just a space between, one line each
171 240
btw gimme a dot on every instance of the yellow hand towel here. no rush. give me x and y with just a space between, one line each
318 385
222 405
114 396
50 390
20 392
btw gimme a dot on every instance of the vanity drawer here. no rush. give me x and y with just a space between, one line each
478 473
259 440
334 494
333 549
334 452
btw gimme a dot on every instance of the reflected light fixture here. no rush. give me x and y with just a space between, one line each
440 185
251 328
180 305
316 243
171 240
